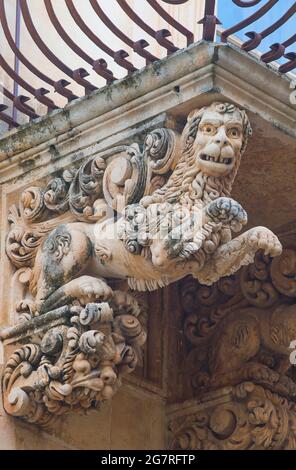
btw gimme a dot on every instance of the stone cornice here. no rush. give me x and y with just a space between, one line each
109 98
163 87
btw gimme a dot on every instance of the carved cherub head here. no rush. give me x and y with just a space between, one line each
221 132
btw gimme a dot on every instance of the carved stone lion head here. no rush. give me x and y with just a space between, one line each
212 143
220 132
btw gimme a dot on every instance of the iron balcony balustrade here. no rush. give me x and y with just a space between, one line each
119 57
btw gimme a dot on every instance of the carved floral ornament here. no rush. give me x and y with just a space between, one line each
173 217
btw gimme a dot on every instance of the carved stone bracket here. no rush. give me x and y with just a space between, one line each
244 417
142 215
74 360
239 333
241 321
104 183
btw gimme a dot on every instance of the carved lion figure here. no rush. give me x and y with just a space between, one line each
183 227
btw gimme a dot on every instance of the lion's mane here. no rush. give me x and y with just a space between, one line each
187 183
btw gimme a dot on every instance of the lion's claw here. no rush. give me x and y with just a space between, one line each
227 211
88 289
264 239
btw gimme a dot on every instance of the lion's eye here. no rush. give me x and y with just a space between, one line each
234 132
208 129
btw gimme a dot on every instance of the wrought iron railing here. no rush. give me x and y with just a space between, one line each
209 22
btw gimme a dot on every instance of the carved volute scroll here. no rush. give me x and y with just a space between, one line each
147 214
79 361
240 335
248 417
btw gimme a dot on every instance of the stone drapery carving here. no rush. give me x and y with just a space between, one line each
150 215
239 333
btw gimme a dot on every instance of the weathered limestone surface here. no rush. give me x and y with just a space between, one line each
148 146
237 360
115 426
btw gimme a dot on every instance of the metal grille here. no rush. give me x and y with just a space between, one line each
118 58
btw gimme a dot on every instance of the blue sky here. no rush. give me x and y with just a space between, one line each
230 14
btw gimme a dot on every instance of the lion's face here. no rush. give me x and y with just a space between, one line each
219 141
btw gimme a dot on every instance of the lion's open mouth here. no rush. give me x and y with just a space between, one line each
209 158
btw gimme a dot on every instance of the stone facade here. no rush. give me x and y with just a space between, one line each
124 271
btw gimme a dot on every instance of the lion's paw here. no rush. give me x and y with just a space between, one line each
261 373
87 289
227 211
263 239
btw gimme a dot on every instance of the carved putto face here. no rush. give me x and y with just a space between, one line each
219 139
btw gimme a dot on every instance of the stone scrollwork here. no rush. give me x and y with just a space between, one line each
162 147
147 214
240 334
244 330
249 417
77 364
283 273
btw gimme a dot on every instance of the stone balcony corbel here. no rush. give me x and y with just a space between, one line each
71 358
47 356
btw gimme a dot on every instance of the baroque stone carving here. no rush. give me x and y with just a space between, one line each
147 215
240 332
78 361
241 328
248 417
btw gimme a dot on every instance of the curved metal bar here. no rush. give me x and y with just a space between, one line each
59 85
118 56
158 35
62 33
175 2
256 38
170 20
38 93
135 18
277 50
89 33
290 41
80 74
246 4
20 104
16 51
137 46
7 93
96 7
277 24
290 65
6 118
247 21
40 43
15 76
